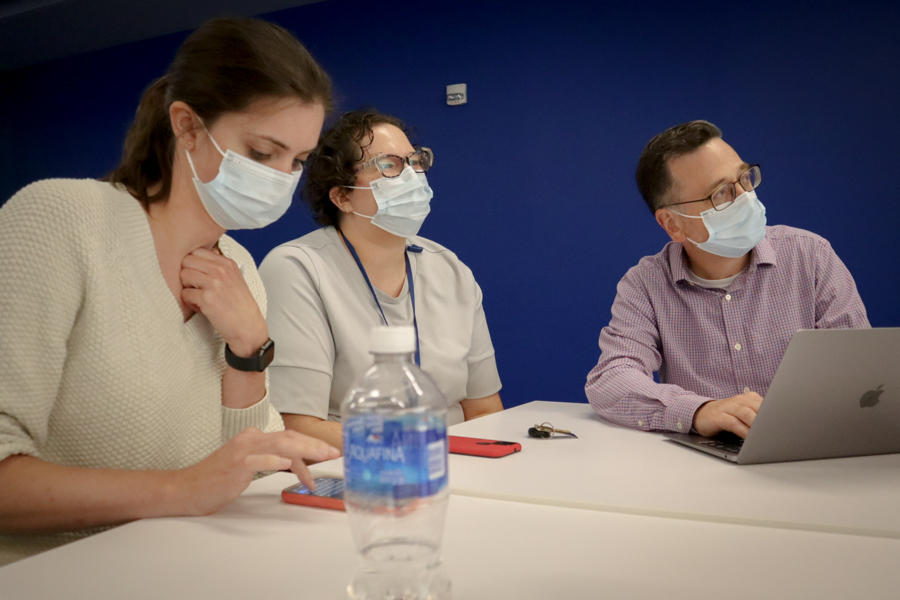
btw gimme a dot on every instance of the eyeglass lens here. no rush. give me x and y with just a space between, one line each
725 195
391 166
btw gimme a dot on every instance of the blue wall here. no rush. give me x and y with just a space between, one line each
535 176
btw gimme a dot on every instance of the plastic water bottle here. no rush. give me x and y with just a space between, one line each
395 469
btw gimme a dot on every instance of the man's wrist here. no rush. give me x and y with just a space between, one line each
694 428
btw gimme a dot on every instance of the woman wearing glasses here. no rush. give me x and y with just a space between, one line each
367 185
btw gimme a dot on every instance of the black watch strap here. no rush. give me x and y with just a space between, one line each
256 362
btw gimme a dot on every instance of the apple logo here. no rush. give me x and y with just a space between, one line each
870 398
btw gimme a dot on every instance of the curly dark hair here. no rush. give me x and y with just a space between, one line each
333 163
653 178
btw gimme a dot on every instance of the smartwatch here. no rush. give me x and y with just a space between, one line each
256 362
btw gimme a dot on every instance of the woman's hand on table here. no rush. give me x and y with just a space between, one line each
215 481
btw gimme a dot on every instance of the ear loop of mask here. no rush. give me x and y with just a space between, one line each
203 125
357 187
692 217
188 152
678 212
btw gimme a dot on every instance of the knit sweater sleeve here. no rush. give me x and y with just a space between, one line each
45 232
261 415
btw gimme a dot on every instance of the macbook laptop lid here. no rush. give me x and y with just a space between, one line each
836 393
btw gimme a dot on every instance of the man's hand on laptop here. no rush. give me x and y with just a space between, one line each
735 414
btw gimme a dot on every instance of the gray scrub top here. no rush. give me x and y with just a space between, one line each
321 312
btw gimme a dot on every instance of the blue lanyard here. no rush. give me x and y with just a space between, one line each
409 278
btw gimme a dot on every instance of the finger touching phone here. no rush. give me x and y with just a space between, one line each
479 447
329 494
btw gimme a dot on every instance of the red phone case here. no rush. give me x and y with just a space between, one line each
290 496
478 447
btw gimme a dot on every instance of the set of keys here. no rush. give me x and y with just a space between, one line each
546 430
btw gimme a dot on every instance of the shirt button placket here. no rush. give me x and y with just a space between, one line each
733 329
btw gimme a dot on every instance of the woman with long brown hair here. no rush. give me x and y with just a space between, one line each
133 340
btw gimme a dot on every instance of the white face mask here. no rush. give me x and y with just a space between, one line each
245 194
403 202
736 230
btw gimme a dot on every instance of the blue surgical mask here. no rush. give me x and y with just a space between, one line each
245 194
403 202
736 230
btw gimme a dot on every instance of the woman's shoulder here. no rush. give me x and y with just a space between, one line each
431 247
434 256
434 249
306 258
65 203
316 240
315 245
67 191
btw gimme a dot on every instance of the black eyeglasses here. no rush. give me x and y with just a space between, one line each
390 165
726 193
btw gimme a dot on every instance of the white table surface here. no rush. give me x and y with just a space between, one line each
611 468
258 547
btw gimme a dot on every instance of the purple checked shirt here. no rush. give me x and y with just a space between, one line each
707 343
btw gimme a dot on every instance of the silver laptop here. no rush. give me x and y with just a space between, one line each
836 394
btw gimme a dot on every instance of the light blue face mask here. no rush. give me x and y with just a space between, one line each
403 202
245 194
736 230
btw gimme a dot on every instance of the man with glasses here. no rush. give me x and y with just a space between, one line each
712 313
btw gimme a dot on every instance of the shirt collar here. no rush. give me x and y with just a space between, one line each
762 254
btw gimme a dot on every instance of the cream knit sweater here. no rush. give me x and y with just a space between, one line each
97 366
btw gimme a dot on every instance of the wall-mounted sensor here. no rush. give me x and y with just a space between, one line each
456 94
